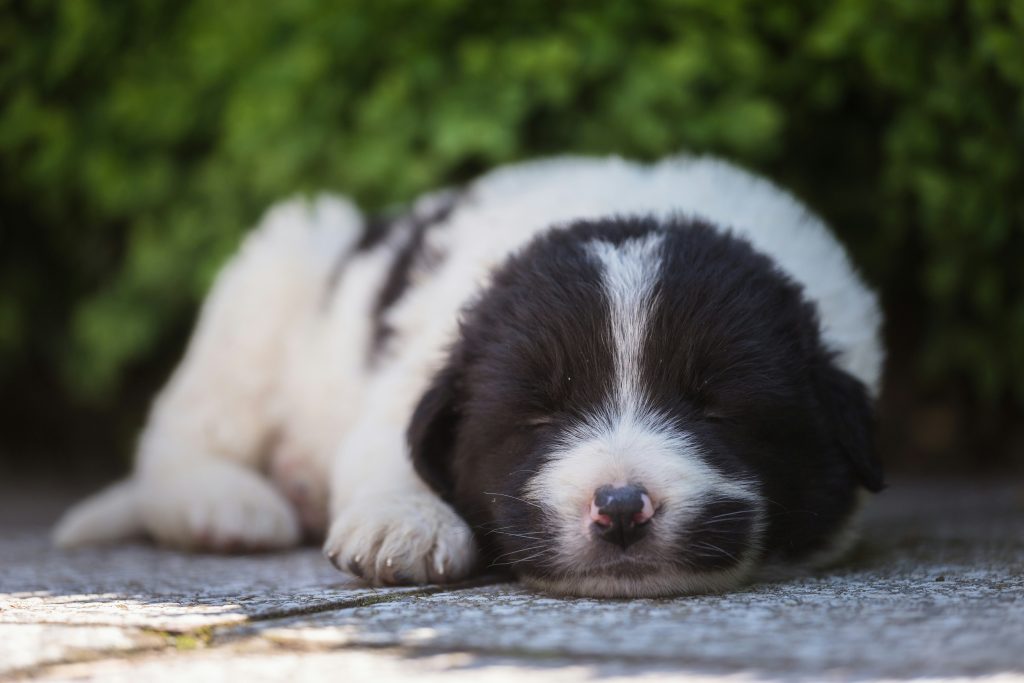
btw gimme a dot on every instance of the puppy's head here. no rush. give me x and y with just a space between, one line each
639 408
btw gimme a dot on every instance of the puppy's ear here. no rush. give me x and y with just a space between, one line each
850 417
431 433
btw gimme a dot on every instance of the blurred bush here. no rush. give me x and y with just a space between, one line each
138 140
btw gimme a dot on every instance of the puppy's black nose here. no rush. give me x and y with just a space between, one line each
620 514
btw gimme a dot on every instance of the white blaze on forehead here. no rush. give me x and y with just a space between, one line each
629 273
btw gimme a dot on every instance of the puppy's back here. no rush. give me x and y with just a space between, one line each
504 209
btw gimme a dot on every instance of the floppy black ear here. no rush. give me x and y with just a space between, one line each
850 416
431 433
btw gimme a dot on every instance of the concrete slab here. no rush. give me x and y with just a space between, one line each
863 623
360 665
143 586
26 646
937 590
388 666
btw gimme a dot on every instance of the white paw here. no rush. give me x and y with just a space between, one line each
402 538
217 505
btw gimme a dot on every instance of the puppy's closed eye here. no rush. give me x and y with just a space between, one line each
714 414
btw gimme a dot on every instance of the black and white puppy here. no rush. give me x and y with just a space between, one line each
613 379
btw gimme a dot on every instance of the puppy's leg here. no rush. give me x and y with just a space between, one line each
110 515
197 466
387 527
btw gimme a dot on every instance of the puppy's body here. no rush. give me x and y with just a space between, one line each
587 330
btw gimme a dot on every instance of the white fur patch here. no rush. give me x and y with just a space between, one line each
111 515
630 272
214 504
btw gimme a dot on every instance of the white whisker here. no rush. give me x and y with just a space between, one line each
505 495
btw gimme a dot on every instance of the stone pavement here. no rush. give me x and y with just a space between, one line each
936 591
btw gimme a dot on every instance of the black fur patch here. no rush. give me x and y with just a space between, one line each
377 231
412 254
720 535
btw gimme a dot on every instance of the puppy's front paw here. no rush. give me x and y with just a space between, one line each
405 538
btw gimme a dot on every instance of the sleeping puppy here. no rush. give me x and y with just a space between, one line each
611 379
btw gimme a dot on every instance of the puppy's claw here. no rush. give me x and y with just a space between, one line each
354 568
333 559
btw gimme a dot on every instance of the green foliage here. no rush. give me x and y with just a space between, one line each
139 139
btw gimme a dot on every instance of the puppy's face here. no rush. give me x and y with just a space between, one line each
639 409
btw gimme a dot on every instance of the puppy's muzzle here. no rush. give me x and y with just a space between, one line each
620 514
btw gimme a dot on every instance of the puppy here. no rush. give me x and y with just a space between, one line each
611 379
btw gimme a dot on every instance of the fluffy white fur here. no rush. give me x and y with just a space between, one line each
275 378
